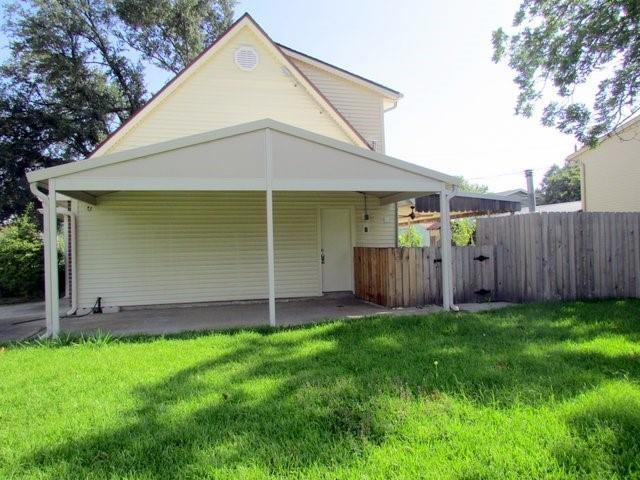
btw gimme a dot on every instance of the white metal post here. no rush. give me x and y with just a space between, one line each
67 255
270 243
445 248
51 232
47 267
271 260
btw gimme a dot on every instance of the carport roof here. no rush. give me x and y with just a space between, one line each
345 164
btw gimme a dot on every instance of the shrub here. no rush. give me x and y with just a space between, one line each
21 257
410 238
462 231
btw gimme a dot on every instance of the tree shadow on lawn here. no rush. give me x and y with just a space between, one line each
319 397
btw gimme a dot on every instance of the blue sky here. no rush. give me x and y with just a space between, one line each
457 112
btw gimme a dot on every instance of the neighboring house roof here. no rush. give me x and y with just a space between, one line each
245 20
508 193
557 207
618 131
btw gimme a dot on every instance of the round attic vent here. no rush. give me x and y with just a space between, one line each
246 58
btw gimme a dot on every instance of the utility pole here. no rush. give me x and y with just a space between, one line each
532 194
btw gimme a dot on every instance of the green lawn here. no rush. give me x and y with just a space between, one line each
533 391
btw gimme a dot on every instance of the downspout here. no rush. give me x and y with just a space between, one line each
72 240
44 201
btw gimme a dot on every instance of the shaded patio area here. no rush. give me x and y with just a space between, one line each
20 322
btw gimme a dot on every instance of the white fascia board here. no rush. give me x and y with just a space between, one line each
160 184
340 185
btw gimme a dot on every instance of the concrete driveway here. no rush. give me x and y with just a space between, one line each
23 321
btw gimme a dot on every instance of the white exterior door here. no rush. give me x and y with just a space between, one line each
335 249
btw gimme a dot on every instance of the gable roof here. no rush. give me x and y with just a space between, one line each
623 127
45 174
182 76
508 193
341 72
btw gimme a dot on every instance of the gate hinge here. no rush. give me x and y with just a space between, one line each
481 258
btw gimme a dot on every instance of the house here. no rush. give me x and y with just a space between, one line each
252 175
518 195
562 207
610 172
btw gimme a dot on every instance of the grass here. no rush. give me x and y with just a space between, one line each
547 390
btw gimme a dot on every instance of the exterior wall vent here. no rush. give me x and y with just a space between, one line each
246 58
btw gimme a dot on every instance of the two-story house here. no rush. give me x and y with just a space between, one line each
251 175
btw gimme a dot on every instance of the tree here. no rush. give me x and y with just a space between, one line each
560 184
22 257
565 43
467 186
76 71
172 32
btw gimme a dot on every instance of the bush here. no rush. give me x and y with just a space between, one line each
21 257
410 238
462 231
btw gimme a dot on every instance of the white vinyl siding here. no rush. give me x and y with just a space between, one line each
143 248
360 106
219 94
611 173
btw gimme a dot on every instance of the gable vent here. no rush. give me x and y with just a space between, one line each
246 58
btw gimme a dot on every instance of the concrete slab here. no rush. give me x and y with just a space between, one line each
19 322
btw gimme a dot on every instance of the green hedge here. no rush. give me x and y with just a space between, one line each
22 258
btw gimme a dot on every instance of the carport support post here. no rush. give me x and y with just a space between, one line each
445 248
51 244
268 147
271 260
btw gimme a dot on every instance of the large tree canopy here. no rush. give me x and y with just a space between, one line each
560 184
76 71
563 44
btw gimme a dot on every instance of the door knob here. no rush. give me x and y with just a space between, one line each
322 256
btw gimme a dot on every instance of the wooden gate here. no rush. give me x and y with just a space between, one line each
406 277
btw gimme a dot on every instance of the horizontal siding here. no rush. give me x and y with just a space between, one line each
612 174
140 248
361 107
219 94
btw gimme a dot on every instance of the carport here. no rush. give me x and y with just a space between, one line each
264 156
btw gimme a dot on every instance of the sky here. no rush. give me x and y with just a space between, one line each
457 112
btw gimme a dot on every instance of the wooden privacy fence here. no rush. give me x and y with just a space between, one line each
563 256
404 277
